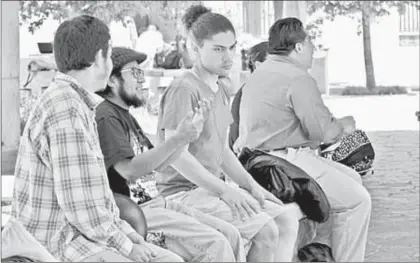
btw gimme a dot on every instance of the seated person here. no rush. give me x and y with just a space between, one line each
61 193
197 177
130 156
292 122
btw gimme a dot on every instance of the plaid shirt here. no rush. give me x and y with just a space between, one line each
61 193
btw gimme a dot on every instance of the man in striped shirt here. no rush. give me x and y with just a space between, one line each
61 193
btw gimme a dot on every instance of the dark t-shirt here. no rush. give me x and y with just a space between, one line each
234 127
121 137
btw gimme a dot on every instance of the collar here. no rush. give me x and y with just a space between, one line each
286 59
91 99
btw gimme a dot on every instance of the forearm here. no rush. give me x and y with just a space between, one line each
194 171
157 157
171 159
233 168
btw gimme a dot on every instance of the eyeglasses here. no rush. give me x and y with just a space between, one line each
136 72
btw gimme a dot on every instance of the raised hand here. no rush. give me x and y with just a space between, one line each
188 129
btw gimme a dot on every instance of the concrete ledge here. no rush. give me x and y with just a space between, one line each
8 160
7 182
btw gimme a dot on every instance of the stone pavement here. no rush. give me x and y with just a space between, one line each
394 187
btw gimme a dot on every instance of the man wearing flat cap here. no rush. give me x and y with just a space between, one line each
130 157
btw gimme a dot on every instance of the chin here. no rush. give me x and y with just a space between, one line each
224 73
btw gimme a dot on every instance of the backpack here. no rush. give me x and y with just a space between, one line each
171 60
354 150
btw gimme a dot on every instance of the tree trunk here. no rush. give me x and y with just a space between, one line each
278 9
367 48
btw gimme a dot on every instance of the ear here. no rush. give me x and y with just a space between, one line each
298 47
98 58
112 82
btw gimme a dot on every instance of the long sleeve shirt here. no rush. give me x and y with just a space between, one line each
61 193
282 107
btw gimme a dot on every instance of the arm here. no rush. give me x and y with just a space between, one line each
316 119
81 187
233 168
147 162
118 151
187 165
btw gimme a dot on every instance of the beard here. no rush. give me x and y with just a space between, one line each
130 100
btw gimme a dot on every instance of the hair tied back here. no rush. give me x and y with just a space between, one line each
192 14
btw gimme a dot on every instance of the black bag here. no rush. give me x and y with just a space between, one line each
354 150
287 182
171 60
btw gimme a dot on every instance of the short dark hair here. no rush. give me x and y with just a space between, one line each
116 72
284 34
203 23
77 41
257 52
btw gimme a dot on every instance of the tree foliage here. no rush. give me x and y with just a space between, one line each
353 9
36 12
364 12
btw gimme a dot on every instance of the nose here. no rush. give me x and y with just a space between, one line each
228 57
141 80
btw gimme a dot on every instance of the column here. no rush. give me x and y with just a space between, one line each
10 117
252 17
295 9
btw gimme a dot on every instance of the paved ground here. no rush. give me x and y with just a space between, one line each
394 131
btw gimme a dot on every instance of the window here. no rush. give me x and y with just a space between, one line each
409 26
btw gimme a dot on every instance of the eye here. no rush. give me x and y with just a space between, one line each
218 49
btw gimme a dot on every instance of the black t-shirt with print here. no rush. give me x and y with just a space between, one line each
121 137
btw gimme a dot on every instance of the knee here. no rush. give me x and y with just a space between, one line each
288 221
225 247
360 200
231 234
267 234
365 198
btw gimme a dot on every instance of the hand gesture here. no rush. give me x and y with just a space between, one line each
241 205
188 129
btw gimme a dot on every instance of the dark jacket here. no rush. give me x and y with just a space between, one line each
234 127
287 182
